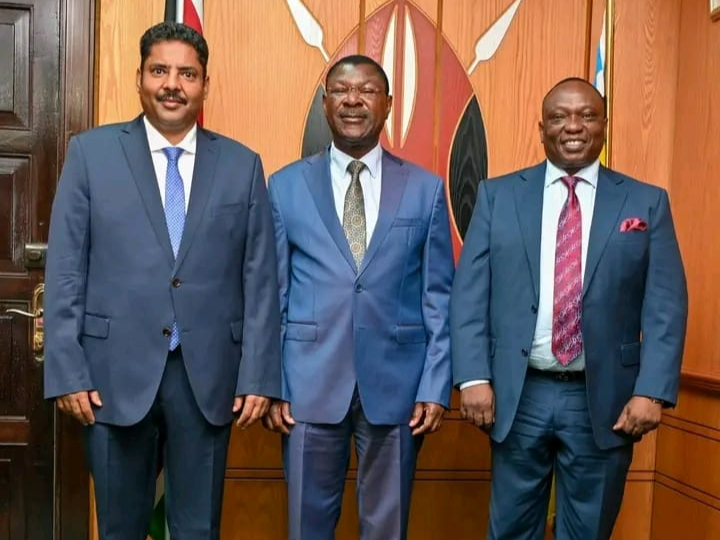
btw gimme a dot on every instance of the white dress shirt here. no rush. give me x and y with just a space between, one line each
186 162
556 193
370 180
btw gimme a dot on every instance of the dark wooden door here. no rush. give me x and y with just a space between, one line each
29 144
38 46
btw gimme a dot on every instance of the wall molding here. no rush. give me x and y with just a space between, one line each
703 381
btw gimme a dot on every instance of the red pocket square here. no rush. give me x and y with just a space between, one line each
633 224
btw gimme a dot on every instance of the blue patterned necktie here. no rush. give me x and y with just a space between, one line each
174 214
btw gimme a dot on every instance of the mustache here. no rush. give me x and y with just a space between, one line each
172 96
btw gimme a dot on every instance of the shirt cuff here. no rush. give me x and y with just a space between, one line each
468 384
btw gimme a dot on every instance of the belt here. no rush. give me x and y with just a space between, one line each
564 376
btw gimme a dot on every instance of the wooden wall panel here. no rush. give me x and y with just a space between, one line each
688 460
645 77
687 494
696 190
120 25
686 452
264 75
676 515
545 43
634 520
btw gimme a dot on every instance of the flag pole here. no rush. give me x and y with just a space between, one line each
609 62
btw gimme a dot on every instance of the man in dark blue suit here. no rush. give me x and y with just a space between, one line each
365 270
161 317
568 318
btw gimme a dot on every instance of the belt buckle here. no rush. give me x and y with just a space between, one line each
563 376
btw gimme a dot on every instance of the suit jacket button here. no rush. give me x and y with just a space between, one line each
524 352
167 332
533 308
358 288
176 282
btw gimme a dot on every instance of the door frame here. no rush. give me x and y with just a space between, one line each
71 510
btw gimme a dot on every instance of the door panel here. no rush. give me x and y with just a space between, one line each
29 136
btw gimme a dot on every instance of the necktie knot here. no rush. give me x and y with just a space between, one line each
355 167
172 153
570 182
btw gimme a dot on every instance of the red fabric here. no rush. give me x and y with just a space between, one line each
633 224
567 295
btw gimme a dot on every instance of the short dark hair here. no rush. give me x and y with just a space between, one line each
358 60
174 31
578 80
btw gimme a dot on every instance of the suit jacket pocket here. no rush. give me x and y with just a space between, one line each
405 222
301 331
230 208
630 354
96 326
410 333
236 327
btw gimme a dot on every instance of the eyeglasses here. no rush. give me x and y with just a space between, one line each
365 92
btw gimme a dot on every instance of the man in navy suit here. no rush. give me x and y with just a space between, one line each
365 271
568 316
161 311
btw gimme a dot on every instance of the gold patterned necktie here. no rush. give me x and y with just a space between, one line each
354 213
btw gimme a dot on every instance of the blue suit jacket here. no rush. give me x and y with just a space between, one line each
110 268
384 328
634 285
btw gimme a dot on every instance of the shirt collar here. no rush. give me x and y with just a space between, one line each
372 159
157 142
589 174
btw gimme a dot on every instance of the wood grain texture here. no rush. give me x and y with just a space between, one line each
678 516
263 75
645 76
634 520
121 23
687 456
688 461
695 187
534 55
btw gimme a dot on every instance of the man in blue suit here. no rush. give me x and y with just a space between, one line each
365 270
161 318
568 318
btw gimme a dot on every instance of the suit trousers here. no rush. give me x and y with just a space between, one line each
124 462
551 432
316 460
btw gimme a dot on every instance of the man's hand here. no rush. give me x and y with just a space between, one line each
639 416
426 418
251 409
477 404
279 418
78 405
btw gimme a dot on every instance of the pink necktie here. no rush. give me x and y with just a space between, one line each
567 302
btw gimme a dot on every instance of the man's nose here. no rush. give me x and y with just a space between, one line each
574 123
172 81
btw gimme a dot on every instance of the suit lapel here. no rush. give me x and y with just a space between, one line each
137 153
317 177
394 180
609 200
206 154
529 195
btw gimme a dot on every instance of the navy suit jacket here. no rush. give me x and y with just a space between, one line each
113 284
634 306
383 328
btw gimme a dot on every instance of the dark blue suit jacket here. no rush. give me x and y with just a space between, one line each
634 296
110 272
384 328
